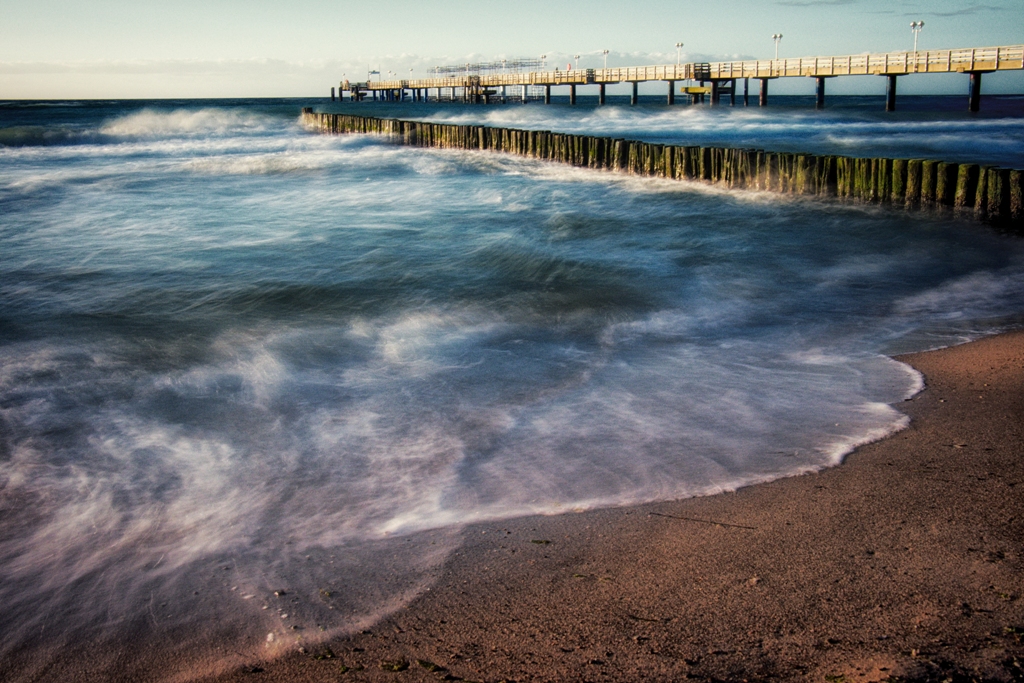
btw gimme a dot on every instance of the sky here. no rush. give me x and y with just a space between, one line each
62 49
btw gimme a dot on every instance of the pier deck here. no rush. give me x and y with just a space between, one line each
974 61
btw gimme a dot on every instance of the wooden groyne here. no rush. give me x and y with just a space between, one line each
986 193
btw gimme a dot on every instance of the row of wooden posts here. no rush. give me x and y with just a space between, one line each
987 193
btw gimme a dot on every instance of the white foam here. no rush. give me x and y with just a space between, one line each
150 123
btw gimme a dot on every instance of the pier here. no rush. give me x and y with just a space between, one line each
985 193
708 81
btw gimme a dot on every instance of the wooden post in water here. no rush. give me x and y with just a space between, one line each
913 195
890 93
332 93
974 102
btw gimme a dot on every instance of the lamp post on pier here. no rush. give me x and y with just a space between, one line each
916 27
777 37
605 53
577 58
679 54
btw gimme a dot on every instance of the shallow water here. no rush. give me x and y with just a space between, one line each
227 342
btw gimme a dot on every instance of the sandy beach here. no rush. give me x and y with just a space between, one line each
904 563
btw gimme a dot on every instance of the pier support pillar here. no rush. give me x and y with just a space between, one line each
600 94
572 93
671 92
890 93
715 94
974 103
732 93
524 95
547 94
746 92
762 99
332 93
633 96
819 92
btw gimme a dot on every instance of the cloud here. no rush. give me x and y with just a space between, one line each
975 9
815 3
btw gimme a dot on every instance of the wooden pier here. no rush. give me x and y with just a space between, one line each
717 77
986 193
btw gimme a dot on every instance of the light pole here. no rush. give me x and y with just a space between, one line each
543 61
605 53
777 37
679 57
577 58
916 27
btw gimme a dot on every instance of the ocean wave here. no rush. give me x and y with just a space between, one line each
32 136
152 123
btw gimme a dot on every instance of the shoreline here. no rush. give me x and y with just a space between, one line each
905 562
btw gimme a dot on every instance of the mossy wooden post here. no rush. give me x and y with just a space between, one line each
966 184
842 176
898 193
981 193
705 163
831 177
883 179
945 183
761 170
1015 198
929 182
997 188
913 193
773 182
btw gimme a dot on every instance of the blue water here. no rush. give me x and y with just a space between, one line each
227 341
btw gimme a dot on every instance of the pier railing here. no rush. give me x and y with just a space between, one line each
965 60
884 64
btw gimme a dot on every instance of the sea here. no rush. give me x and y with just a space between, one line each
254 381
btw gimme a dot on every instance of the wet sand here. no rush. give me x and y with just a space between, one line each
905 562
